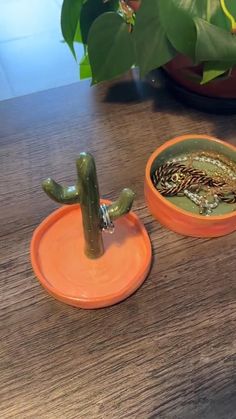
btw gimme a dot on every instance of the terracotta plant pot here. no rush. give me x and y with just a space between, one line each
134 4
60 264
183 72
188 221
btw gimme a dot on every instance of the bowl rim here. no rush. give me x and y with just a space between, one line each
174 207
89 302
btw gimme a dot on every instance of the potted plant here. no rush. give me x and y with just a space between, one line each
193 40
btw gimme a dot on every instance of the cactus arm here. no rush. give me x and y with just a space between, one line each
90 205
123 204
63 195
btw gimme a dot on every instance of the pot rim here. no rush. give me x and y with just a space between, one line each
158 195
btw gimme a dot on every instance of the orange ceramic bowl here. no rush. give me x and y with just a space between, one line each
174 217
59 262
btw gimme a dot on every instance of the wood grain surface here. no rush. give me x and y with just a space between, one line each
169 351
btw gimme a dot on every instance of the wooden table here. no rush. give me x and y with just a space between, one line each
169 351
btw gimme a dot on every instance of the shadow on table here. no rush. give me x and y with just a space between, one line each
130 91
163 101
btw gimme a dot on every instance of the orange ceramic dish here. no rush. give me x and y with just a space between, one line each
59 262
176 218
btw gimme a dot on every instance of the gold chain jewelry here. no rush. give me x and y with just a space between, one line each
178 177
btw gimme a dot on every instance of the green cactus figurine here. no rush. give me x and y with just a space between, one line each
86 193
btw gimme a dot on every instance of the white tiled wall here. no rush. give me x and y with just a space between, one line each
32 54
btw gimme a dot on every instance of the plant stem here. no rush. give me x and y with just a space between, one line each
228 15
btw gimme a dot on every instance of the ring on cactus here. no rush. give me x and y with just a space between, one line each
107 224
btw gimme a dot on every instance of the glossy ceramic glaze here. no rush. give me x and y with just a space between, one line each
86 193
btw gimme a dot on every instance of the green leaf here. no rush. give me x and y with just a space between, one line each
231 6
176 14
179 26
153 49
194 7
110 47
212 70
217 16
209 10
85 69
78 36
90 11
70 14
213 43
